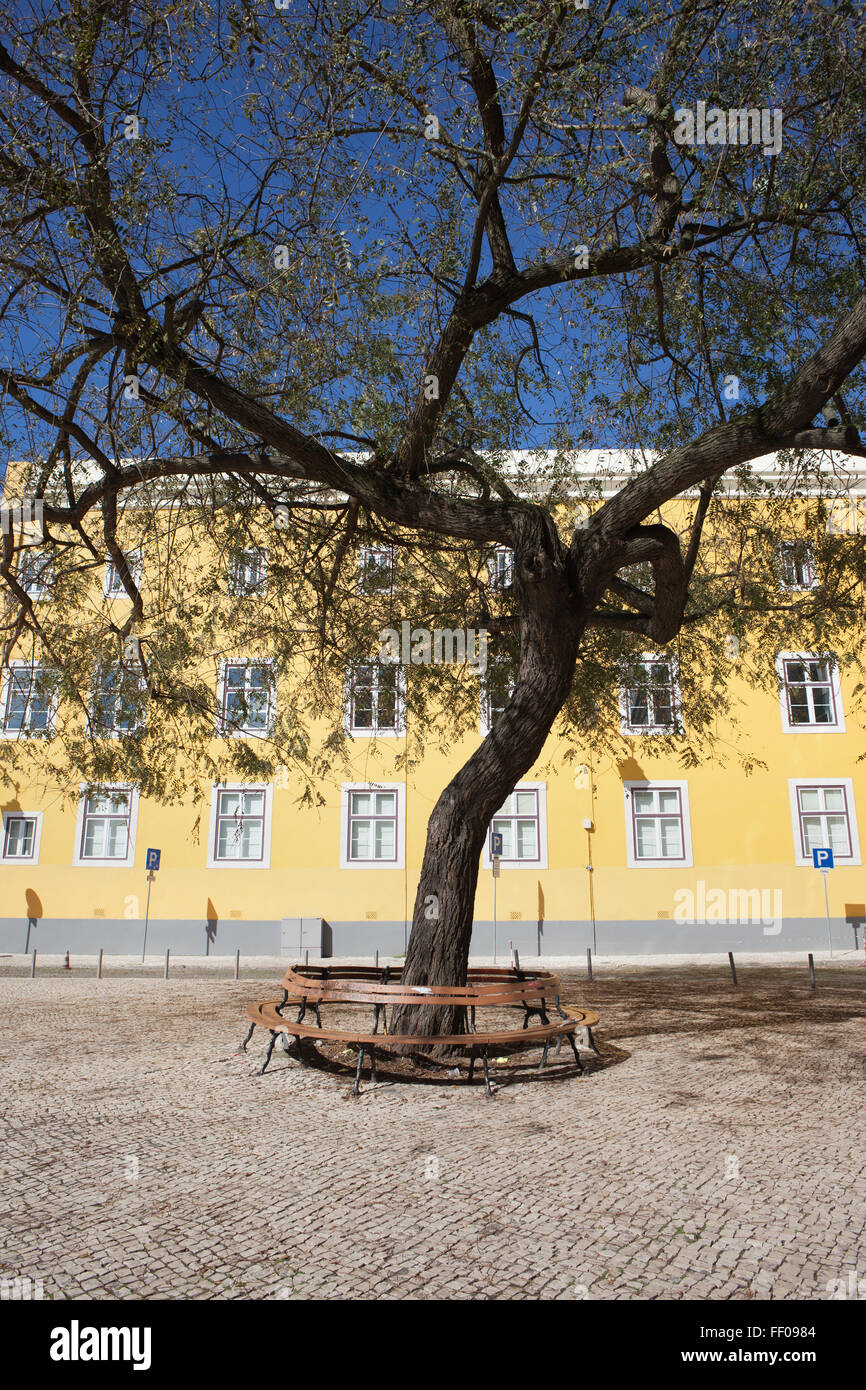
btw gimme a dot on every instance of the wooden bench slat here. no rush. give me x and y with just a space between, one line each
266 1014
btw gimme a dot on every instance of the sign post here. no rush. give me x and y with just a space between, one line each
151 863
822 859
495 855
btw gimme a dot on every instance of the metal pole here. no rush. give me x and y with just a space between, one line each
824 875
146 916
306 957
33 964
733 967
165 972
99 965
589 962
494 919
811 971
377 960
515 958
237 963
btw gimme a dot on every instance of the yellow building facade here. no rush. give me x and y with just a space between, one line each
625 855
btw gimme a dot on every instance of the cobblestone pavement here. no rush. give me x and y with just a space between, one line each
712 1154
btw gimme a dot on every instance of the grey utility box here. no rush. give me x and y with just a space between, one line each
300 934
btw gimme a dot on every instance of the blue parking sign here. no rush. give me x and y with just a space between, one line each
822 859
151 859
495 842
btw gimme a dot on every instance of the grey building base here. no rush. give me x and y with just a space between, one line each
118 936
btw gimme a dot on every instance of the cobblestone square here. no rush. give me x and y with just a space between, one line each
715 1151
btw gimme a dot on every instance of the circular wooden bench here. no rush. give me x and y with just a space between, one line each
313 986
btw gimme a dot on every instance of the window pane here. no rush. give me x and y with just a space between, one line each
385 803
810 798
834 798
527 840
643 801
228 842
117 839
671 839
385 839
669 800
837 834
823 705
795 672
229 803
663 708
94 839
360 842
798 704
362 804
645 834
254 803
813 833
251 839
525 803
637 707
19 838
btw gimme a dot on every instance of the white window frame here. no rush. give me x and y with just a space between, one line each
399 860
846 783
17 861
399 731
135 560
4 693
835 689
99 730
128 861
222 728
630 730
265 862
809 564
500 569
661 784
247 591
541 862
364 554
38 591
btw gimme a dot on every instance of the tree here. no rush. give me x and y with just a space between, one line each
324 260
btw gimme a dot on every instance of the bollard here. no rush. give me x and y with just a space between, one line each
811 971
733 967
377 960
307 956
99 965
66 965
33 964
515 958
238 963
589 962
165 971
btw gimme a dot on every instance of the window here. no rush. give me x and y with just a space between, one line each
658 828
248 572
21 833
105 832
500 568
35 575
117 700
823 817
371 828
240 827
29 700
246 698
496 690
797 566
649 696
113 584
375 701
810 692
375 569
522 822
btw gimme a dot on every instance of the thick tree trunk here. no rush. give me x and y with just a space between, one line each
552 618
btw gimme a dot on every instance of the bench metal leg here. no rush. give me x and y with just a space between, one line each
243 1046
269 1053
579 1063
487 1087
356 1089
471 1071
285 1044
372 1052
591 1041
543 1061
